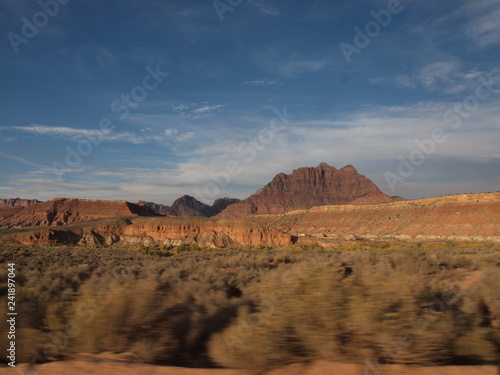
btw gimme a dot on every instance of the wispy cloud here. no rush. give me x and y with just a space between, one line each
445 77
207 109
483 26
195 111
146 135
179 137
21 160
372 139
58 131
265 9
263 82
288 65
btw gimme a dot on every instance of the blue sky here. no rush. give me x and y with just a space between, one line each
150 100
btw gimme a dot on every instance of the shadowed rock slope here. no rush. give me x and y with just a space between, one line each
189 206
18 202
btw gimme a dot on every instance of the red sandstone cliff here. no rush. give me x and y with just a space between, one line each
61 211
159 231
466 217
309 187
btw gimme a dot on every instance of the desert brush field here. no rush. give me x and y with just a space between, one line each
386 309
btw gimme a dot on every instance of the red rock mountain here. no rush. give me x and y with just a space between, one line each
308 187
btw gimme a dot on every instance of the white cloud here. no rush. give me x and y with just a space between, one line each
263 82
179 108
75 134
445 77
20 160
192 111
171 132
207 109
288 65
483 26
371 139
147 135
58 131
478 27
184 137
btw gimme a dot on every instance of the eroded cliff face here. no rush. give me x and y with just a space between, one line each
163 231
18 202
61 211
309 187
466 217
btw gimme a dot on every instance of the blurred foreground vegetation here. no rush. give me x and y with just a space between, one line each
257 309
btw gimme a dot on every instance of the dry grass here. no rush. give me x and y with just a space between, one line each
259 309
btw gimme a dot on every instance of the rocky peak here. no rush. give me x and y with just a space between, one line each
157 208
324 165
308 187
222 203
189 206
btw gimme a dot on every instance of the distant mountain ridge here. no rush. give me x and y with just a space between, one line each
160 209
302 189
189 206
308 187
62 211
18 202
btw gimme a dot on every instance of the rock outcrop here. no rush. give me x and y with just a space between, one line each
189 206
466 217
221 204
160 209
308 187
18 202
62 211
159 231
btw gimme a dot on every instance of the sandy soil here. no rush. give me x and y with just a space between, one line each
318 368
